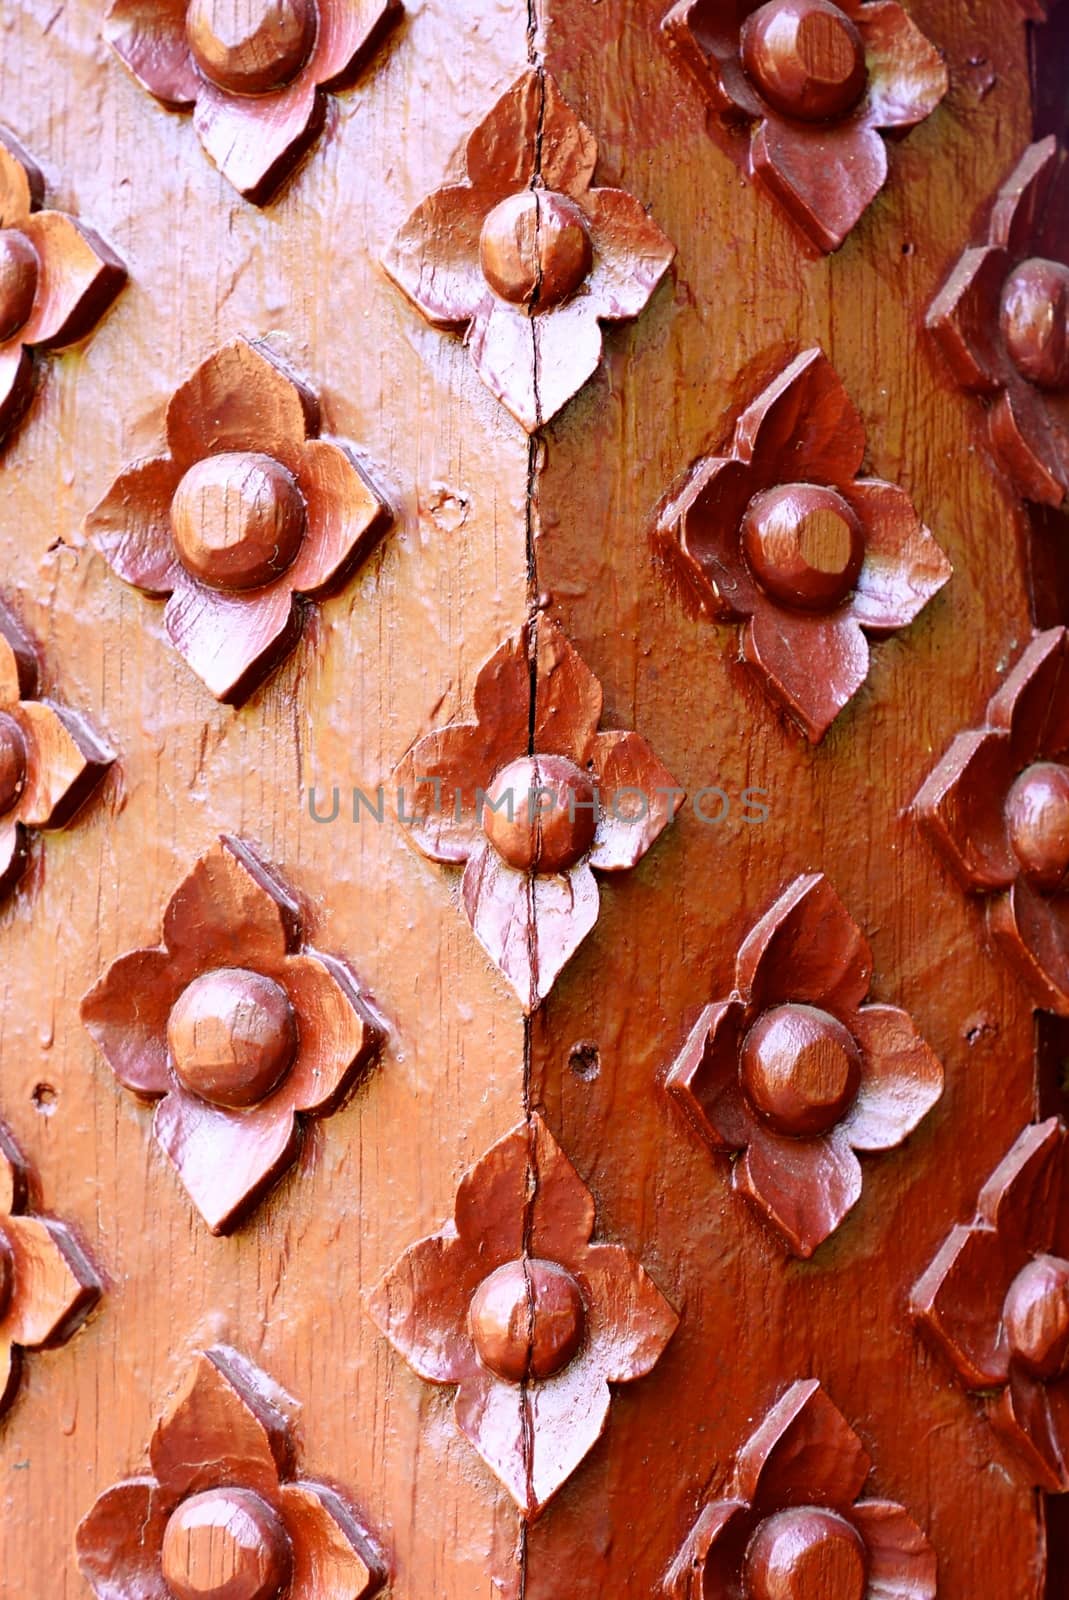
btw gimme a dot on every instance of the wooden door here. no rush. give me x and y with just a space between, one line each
534 799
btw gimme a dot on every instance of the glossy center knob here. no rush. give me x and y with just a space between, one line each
807 1554
1035 322
226 1544
801 1069
1037 821
238 520
804 545
249 46
539 814
527 1320
1036 1317
19 270
7 1276
12 762
806 57
232 1036
535 250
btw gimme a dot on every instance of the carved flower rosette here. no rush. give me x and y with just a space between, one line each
782 532
995 1302
513 1303
794 1073
246 517
527 256
1002 322
997 808
255 72
530 797
235 1027
222 1515
794 1527
47 1285
817 82
57 278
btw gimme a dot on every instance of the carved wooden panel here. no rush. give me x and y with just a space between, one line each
534 601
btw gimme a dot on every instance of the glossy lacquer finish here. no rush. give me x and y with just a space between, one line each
534 800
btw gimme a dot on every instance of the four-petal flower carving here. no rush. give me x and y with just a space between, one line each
248 514
235 1027
783 532
513 1303
817 81
255 71
995 1301
1002 322
997 807
793 1071
530 797
57 278
222 1511
527 256
47 1286
794 1524
50 760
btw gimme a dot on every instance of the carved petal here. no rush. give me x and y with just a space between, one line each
568 697
1022 199
631 1320
624 761
711 1560
961 807
631 254
964 318
534 365
66 762
332 1557
1033 929
1030 435
959 1301
901 1079
803 1453
803 427
126 1014
811 666
529 926
346 518
336 1040
1033 1417
561 1218
806 948
907 75
240 399
16 383
421 1304
229 1424
502 345
255 140
805 1187
532 123
434 256
462 757
503 690
903 566
701 528
14 854
227 1160
12 1176
231 910
131 525
345 34
1023 1196
21 184
150 37
825 177
902 1563
1033 702
707 35
704 1077
232 641
119 1542
79 278
54 1286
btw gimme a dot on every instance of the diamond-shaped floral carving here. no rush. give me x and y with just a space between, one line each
236 1027
512 1302
795 1073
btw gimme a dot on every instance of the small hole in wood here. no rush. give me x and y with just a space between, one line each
45 1098
585 1060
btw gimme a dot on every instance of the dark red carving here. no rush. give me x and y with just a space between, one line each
50 759
236 1027
783 532
997 807
248 514
527 256
794 1528
817 81
531 797
995 1301
222 1513
514 1304
47 1286
1002 321
57 278
256 72
796 1073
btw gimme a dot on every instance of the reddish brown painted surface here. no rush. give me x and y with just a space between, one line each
639 1283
